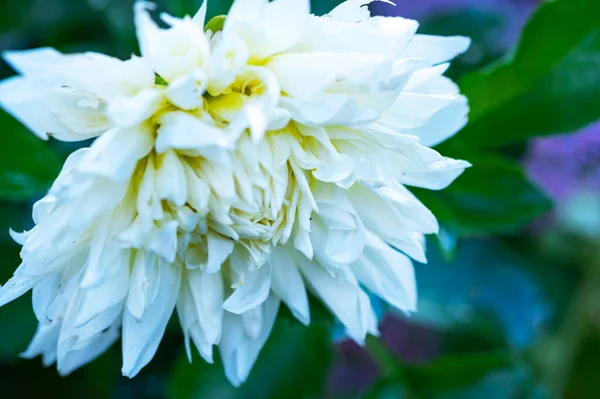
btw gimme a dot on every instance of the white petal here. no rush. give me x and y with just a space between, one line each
435 176
342 295
29 62
100 196
304 74
413 110
252 321
146 29
207 292
444 123
386 37
171 182
44 343
219 249
394 208
281 21
27 102
148 203
75 359
302 242
182 131
253 291
387 273
144 283
284 22
198 191
164 241
238 350
44 294
19 284
200 17
73 112
337 233
115 154
97 300
131 111
437 49
73 338
105 256
172 52
186 92
188 318
141 337
287 284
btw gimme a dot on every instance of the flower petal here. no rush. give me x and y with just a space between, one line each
388 274
238 350
287 284
253 292
141 337
342 295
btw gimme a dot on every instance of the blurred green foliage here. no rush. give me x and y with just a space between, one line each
516 314
549 85
483 200
293 364
27 165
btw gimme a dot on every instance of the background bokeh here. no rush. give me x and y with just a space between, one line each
510 299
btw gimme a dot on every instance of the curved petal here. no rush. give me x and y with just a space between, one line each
115 154
287 284
254 291
239 350
342 295
388 274
437 49
141 337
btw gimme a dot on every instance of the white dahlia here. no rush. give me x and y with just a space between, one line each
231 171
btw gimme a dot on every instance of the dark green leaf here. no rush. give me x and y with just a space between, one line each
513 383
456 371
494 196
16 216
293 364
16 318
27 165
550 85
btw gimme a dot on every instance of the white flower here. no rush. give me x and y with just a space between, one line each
232 171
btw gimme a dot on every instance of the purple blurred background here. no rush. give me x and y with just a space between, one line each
566 165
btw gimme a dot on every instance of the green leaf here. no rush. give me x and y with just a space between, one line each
16 318
293 364
27 164
493 196
216 24
455 371
160 81
550 85
16 216
519 382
